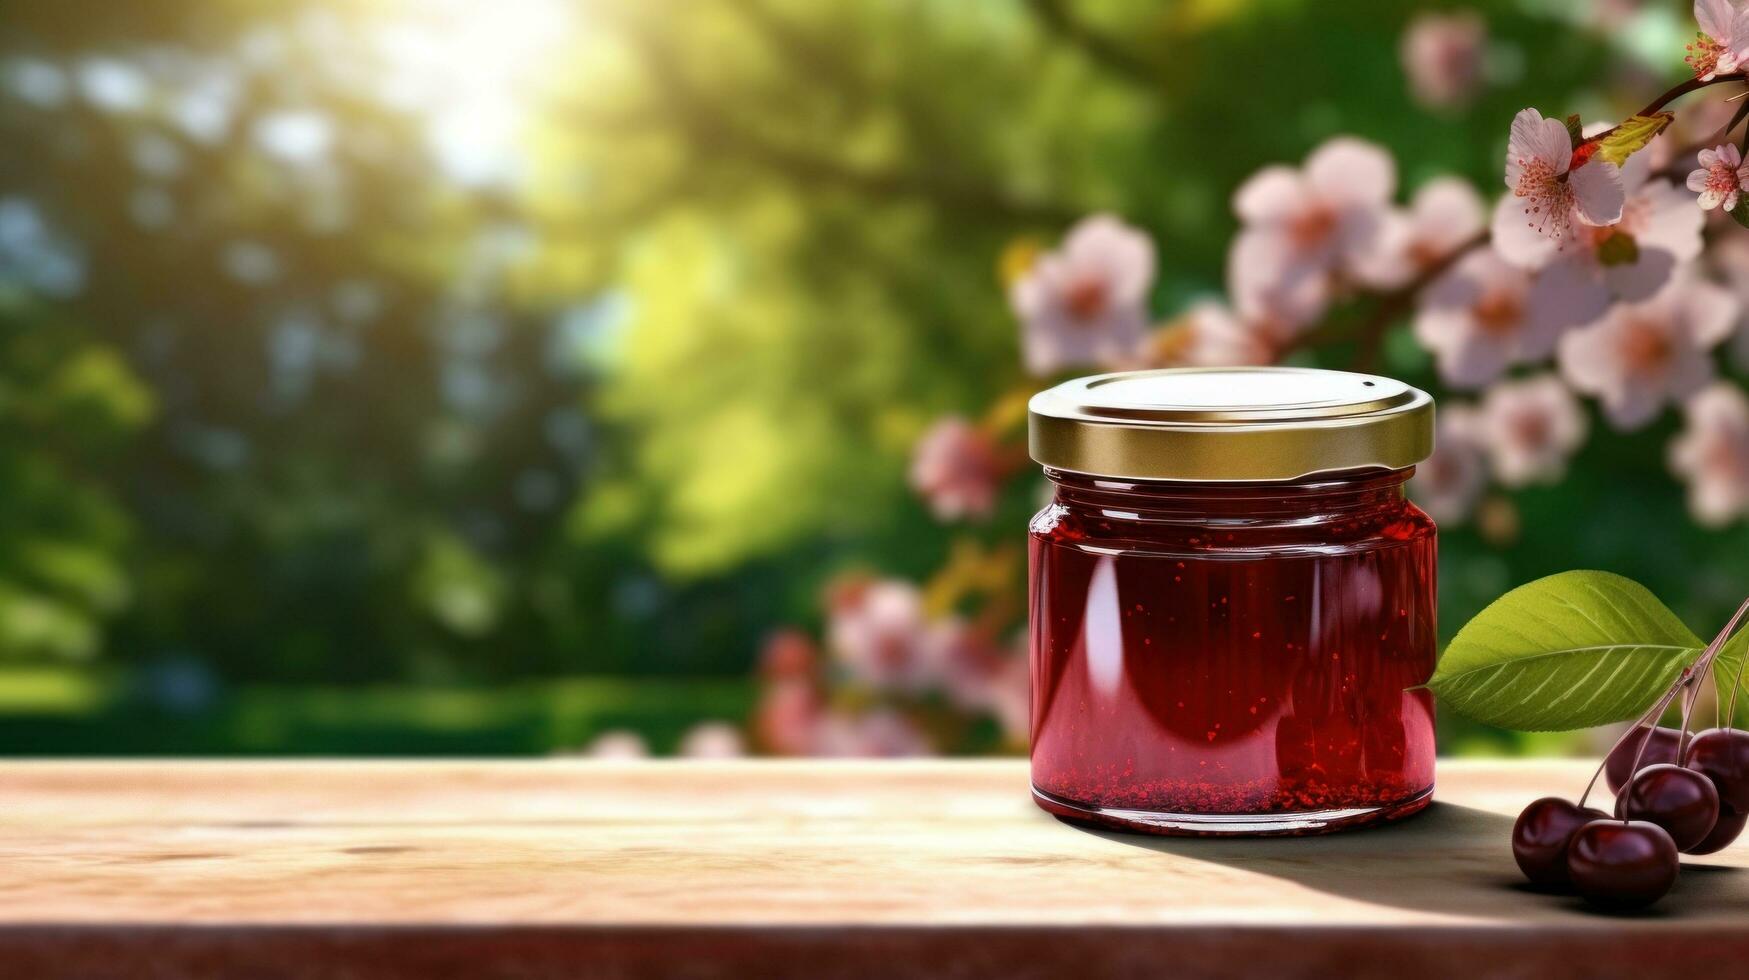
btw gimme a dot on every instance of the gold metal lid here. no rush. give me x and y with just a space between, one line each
1207 424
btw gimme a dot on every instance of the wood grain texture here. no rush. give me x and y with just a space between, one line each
564 868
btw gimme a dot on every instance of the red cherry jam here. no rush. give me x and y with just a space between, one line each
1236 658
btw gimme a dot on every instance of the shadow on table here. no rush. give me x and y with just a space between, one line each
1448 859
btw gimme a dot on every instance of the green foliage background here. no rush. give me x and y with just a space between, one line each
619 417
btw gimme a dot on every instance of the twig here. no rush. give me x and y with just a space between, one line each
1101 49
1674 93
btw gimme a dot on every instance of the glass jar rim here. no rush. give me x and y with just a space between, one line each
1229 424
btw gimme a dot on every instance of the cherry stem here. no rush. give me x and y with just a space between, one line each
1690 674
1650 718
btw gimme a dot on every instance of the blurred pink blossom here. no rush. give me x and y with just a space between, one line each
787 717
1086 303
1548 202
1447 483
1477 320
1214 336
1529 428
1444 216
970 660
1442 55
1729 257
877 629
1712 454
788 653
713 740
1659 231
958 469
1301 227
1719 179
617 744
879 733
1723 41
1642 355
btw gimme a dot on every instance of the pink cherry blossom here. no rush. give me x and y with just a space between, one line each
1445 215
1729 257
713 740
1477 320
1659 231
1211 335
1712 454
1643 355
787 653
1551 200
880 733
878 631
1086 303
1723 42
1302 227
617 744
1719 179
971 660
787 717
1448 482
1442 55
1529 428
958 469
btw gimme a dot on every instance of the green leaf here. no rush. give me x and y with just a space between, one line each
1725 671
1571 650
1632 136
1740 213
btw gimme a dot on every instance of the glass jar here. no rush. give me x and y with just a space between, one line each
1232 602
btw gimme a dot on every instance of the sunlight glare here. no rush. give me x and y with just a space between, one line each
472 70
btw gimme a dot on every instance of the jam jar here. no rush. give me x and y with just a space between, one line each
1231 601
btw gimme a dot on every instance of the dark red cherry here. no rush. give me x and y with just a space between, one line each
1723 754
1622 864
1680 800
1661 749
1724 832
1542 833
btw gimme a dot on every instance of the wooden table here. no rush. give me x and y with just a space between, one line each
772 869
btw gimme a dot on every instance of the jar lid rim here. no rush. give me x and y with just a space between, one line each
1229 424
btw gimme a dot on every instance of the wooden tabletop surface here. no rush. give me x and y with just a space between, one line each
567 868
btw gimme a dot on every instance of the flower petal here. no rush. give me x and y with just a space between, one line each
1715 18
1712 312
1664 219
1598 194
1447 210
1697 182
1521 244
1630 406
1123 256
1650 270
1567 292
1352 171
1269 194
1535 138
